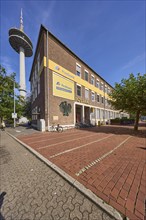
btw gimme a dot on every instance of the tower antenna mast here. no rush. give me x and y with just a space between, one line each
21 43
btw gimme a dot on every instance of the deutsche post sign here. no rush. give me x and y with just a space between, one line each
63 87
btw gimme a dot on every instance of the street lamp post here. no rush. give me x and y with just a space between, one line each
14 100
14 105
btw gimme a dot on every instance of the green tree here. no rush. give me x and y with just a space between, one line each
7 96
130 96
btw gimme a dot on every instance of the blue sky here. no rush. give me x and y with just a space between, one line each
108 35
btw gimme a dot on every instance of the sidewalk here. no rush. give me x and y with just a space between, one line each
31 190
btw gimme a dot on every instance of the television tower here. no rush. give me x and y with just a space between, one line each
21 43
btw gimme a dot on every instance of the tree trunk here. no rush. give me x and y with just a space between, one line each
136 120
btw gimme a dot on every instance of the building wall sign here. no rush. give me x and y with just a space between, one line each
77 99
64 72
55 118
63 87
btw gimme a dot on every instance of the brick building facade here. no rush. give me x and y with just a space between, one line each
64 88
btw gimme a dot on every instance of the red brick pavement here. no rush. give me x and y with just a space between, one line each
100 159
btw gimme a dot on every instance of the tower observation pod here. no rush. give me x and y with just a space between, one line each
21 43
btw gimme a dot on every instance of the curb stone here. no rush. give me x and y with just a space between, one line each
88 193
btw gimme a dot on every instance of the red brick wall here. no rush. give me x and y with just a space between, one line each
65 58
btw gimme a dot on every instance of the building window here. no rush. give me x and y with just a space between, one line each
92 96
112 115
86 93
38 62
78 70
105 114
108 91
98 113
108 102
35 73
78 90
101 113
102 99
101 86
36 92
86 75
33 94
39 85
108 114
97 83
92 79
31 85
33 76
105 89
98 99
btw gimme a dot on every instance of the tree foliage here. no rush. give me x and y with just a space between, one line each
130 96
7 96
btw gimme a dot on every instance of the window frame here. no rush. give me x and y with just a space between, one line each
98 100
78 66
78 85
105 88
86 89
38 85
87 75
97 80
102 99
92 92
101 86
38 62
92 77
108 90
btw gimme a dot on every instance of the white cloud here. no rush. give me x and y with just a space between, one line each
134 61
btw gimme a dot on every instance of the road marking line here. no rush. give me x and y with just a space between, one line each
66 141
53 138
101 158
47 134
67 151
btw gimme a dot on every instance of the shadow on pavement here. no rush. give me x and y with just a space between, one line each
2 195
143 148
122 130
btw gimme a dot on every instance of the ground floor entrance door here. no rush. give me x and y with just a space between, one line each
87 114
78 113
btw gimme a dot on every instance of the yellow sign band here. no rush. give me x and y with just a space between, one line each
66 73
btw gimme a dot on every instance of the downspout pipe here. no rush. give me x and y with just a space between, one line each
47 82
104 104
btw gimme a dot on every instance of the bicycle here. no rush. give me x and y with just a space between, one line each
2 128
57 128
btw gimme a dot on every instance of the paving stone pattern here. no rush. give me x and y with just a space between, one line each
119 178
30 190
